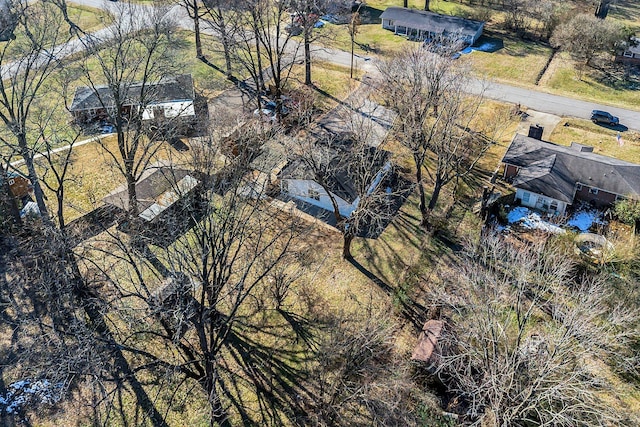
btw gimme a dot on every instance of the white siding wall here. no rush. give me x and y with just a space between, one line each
171 109
538 201
387 24
299 189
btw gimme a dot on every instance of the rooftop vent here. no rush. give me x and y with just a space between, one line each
581 148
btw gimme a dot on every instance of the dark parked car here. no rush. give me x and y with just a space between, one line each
598 116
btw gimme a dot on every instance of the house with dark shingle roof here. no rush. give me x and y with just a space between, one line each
552 177
333 140
166 99
423 25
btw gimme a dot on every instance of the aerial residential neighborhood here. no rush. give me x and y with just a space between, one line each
320 213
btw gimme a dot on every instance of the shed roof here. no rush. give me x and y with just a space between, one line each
178 88
554 170
157 190
429 21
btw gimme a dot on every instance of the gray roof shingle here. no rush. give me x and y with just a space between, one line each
554 170
178 88
429 21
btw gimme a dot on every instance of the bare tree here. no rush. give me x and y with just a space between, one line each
27 61
271 44
436 115
55 164
585 36
223 17
306 14
203 297
521 328
359 379
352 169
135 55
195 11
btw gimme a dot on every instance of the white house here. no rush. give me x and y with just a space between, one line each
298 182
168 98
631 51
423 25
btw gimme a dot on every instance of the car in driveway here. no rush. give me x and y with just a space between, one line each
598 116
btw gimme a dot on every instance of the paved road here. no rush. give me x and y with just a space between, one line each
558 105
527 98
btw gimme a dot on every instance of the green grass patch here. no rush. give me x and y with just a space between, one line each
627 12
601 138
593 85
519 62
88 18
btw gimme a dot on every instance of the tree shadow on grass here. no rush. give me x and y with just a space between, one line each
412 311
45 298
275 373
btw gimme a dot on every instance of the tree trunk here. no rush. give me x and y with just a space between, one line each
346 247
426 5
260 81
426 216
423 197
196 29
307 57
219 416
226 45
406 3
60 212
352 43
133 197
11 200
33 176
436 194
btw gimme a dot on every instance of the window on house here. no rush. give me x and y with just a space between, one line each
525 197
578 187
628 54
619 197
545 204
593 190
314 194
12 181
553 206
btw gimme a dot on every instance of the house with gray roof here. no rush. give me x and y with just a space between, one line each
168 98
332 143
160 188
423 25
552 177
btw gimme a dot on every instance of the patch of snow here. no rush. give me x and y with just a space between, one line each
532 221
583 220
27 391
517 214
